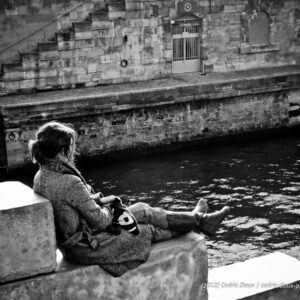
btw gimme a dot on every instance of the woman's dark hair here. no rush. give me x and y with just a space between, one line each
51 138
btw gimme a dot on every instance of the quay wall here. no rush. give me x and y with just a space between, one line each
143 119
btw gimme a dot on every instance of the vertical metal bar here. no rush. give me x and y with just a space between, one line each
186 49
3 152
183 46
174 49
193 48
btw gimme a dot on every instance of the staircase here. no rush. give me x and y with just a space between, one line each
86 54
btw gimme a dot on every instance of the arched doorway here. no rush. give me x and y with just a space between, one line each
186 45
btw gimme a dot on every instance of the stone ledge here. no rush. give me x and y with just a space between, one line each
176 270
27 233
249 49
188 90
191 82
274 276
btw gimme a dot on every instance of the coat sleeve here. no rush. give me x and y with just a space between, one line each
79 197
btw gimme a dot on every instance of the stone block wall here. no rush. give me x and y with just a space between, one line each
108 43
36 21
112 45
226 35
177 123
27 233
126 121
175 270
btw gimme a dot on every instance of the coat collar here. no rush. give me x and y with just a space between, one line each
57 165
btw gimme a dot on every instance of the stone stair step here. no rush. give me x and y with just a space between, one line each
116 15
47 46
12 66
81 26
99 15
64 36
12 76
3 92
29 60
72 38
30 56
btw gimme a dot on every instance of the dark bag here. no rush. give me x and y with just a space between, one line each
123 219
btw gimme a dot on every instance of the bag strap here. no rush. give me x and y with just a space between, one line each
72 240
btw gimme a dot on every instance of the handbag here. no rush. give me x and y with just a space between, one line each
122 218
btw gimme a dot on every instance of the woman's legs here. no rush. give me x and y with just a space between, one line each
145 213
154 216
178 222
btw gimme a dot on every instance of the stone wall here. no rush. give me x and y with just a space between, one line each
131 121
226 43
176 270
126 40
23 24
182 122
27 233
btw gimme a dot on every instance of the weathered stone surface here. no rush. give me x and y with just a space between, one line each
228 40
274 276
27 233
176 270
156 113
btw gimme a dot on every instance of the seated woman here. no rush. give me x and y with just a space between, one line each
84 224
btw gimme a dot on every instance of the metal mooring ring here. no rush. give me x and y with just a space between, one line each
124 63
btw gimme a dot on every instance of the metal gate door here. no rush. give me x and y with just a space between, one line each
186 46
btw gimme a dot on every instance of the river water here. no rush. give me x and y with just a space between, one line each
260 181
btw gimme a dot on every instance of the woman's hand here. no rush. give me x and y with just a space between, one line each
108 199
96 197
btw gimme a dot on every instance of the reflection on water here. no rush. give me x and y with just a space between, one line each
259 181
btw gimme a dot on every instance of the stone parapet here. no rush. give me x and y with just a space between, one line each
176 270
27 233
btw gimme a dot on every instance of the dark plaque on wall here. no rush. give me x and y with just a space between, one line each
259 29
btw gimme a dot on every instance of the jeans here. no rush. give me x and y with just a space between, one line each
157 218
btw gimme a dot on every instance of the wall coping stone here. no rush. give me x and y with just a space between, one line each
27 232
193 86
176 270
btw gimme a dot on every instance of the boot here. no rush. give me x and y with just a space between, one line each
201 206
185 221
197 221
181 221
209 223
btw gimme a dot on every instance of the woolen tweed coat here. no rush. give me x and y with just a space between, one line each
81 223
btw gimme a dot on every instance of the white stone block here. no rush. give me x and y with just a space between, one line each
27 233
274 276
